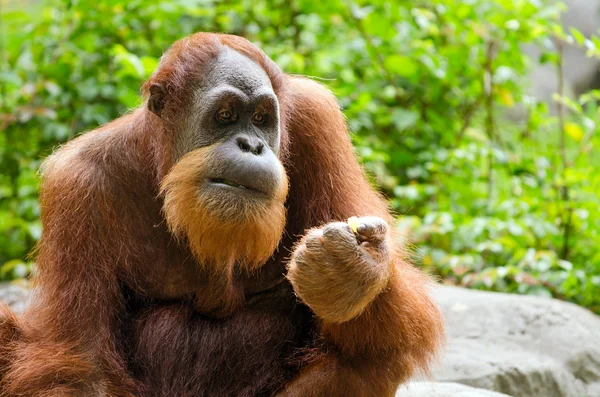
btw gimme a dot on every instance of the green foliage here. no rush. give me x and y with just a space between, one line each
429 89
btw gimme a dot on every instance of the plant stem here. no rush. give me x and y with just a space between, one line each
563 190
561 106
468 116
488 90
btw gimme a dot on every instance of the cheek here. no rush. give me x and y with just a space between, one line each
187 173
275 143
182 145
193 136
180 189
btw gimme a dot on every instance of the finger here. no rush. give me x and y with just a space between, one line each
314 239
371 228
337 231
338 236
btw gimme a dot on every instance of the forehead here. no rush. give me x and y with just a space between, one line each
236 70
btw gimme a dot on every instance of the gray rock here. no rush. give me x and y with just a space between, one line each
518 345
580 72
15 295
428 389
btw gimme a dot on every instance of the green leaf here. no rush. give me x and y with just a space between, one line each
401 65
577 35
549 57
404 119
574 131
149 64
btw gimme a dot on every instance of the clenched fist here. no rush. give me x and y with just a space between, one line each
337 272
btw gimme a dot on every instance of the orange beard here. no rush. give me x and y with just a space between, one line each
222 234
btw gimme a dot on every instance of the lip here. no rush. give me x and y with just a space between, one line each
229 184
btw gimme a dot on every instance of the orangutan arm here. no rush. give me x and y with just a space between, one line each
378 324
67 344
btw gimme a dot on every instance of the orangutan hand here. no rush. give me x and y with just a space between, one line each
338 272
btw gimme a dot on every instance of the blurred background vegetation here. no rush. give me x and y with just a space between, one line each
493 188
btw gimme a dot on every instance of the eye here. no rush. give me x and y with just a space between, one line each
259 118
225 115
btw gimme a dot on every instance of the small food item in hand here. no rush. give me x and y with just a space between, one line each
353 223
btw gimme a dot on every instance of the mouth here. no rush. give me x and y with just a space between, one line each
226 183
221 181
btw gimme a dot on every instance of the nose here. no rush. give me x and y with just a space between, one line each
250 144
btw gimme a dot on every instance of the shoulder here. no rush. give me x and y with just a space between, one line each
314 113
86 157
307 92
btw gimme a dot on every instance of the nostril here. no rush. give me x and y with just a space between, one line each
243 144
250 145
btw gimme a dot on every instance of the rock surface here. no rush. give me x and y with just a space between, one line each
580 71
15 295
518 345
440 389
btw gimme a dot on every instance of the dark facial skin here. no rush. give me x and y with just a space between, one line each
236 110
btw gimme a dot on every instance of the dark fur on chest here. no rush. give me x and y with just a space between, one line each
178 352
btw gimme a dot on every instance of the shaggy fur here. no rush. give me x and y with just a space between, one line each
120 307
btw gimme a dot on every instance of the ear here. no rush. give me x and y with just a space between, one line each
156 102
